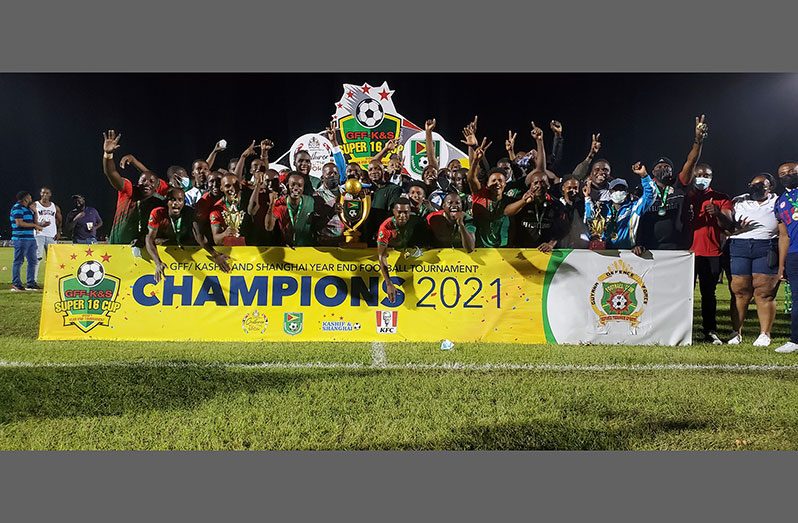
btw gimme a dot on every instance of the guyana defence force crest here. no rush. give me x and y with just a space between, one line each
87 297
619 295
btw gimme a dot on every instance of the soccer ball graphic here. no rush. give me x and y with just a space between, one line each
369 113
91 273
619 302
423 162
356 326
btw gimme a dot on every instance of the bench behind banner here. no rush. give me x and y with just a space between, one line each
329 294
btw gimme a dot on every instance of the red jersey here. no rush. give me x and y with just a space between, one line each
706 230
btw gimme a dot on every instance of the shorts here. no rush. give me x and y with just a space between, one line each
754 256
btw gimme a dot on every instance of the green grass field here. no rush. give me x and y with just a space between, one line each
128 395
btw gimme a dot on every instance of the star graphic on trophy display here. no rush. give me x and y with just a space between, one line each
89 252
106 257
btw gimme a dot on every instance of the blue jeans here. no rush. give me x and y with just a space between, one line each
87 241
24 250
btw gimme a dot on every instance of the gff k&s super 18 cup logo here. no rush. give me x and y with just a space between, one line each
88 297
619 295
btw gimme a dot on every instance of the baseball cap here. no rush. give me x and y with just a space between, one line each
664 159
75 196
618 182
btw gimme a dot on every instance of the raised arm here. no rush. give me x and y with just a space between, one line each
474 156
110 144
252 205
266 145
429 126
217 148
390 145
556 145
701 131
581 170
249 151
509 145
130 159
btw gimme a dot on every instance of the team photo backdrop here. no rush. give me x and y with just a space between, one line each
331 294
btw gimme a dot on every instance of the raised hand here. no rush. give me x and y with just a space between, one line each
470 136
509 143
111 141
537 132
556 127
429 125
711 209
392 144
479 152
639 169
249 151
332 132
126 159
701 128
595 144
266 145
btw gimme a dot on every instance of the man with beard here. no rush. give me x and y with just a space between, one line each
294 214
712 215
667 225
417 194
398 232
231 203
82 222
451 227
539 220
175 225
786 211
622 215
133 204
328 197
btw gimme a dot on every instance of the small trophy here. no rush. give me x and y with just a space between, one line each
596 227
355 208
233 218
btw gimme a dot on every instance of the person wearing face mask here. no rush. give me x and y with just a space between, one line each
786 211
667 224
712 215
753 252
133 203
622 215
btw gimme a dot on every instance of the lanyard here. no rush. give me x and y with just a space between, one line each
298 214
177 227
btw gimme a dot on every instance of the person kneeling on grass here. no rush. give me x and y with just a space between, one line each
175 225
397 232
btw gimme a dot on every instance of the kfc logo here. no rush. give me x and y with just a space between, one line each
387 322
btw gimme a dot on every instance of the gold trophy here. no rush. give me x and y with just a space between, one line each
596 227
355 208
233 218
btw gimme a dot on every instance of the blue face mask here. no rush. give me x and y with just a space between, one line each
185 183
702 183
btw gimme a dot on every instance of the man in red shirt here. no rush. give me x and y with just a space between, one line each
712 213
397 232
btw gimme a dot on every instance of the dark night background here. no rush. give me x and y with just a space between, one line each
52 123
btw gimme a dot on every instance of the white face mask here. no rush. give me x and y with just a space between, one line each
618 196
702 183
185 183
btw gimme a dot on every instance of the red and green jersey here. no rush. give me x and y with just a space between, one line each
391 235
445 233
132 213
296 220
176 231
492 226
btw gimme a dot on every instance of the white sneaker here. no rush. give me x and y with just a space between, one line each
788 347
762 341
712 338
736 340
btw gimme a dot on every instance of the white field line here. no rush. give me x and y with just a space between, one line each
454 366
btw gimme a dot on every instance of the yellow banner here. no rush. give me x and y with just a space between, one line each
313 294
